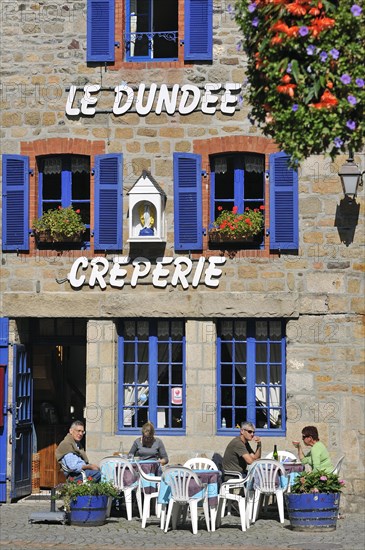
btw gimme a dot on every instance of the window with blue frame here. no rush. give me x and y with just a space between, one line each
151 30
251 374
64 180
151 362
238 180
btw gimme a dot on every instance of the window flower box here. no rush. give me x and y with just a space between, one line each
61 225
234 227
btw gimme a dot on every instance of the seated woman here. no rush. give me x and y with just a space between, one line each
318 457
148 446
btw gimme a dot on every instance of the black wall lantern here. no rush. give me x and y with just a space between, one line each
351 177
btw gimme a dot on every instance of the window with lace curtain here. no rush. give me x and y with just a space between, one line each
251 375
151 377
64 180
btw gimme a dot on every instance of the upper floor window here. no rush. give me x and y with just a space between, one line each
151 375
251 374
151 30
64 180
235 180
154 30
238 180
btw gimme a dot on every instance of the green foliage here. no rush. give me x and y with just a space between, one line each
232 224
72 489
61 221
305 72
317 482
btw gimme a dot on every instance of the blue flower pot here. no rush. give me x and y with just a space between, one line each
88 510
314 511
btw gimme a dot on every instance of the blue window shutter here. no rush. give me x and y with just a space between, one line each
15 202
187 202
108 202
100 30
284 234
198 40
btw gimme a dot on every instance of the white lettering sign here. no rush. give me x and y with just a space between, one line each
181 271
185 99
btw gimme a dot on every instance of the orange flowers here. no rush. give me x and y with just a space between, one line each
327 101
287 89
296 8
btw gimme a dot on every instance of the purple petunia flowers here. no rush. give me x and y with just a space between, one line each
323 56
335 54
360 82
352 99
255 22
303 31
311 50
351 124
251 8
356 10
338 142
295 107
345 78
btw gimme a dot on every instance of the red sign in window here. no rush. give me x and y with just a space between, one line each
176 396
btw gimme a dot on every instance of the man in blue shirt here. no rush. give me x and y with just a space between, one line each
71 456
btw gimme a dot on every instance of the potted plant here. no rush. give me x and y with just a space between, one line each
87 502
314 501
232 226
59 225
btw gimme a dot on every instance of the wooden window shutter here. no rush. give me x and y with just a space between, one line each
187 202
198 40
108 211
284 232
15 220
100 41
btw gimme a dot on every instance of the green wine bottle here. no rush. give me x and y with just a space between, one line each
275 454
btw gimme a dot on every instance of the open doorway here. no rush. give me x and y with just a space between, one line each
59 388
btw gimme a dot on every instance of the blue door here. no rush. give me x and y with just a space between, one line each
21 478
4 331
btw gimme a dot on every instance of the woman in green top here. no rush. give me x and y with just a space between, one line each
318 457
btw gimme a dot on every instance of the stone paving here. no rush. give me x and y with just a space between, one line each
18 534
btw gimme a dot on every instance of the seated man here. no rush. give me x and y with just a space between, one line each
239 454
72 457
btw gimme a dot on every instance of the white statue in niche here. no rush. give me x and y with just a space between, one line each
146 215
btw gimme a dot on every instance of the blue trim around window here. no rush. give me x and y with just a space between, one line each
244 190
284 210
251 369
151 369
142 46
64 191
15 214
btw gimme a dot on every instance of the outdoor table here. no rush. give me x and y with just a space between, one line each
212 478
293 469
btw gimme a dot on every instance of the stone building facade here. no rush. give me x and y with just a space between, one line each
304 301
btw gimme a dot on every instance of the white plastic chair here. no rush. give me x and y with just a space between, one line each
114 469
225 495
337 468
68 472
284 456
178 479
265 478
200 463
148 495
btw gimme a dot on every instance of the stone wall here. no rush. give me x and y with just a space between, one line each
320 291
